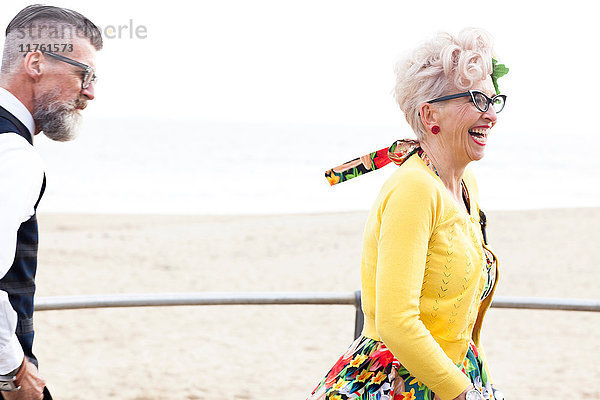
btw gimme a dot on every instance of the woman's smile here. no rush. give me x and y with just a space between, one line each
479 134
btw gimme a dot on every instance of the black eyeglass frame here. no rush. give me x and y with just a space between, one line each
472 94
85 68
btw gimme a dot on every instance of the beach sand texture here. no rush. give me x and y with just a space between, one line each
281 352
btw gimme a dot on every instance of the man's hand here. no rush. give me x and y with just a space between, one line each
32 385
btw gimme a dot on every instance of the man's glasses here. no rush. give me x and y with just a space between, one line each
479 99
89 75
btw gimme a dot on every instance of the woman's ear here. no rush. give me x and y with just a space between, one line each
429 116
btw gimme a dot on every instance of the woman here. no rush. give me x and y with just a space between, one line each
427 274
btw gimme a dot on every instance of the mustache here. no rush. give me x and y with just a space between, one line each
80 103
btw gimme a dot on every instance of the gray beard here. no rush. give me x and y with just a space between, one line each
57 119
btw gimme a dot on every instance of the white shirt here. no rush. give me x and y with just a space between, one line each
21 177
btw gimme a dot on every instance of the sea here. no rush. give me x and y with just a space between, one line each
186 167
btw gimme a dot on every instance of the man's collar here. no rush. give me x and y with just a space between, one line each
16 108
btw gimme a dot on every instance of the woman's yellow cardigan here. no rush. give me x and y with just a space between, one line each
423 273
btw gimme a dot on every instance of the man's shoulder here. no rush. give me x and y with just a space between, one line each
17 151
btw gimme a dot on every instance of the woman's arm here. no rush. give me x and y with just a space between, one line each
408 216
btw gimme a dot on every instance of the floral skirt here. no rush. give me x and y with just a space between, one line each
369 371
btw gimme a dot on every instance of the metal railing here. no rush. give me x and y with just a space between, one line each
279 298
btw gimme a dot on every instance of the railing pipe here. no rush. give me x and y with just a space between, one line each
189 299
273 298
278 298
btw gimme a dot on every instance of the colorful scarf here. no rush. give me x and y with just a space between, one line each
397 153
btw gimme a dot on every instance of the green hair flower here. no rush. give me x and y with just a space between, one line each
498 71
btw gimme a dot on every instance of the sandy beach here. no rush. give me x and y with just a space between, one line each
281 352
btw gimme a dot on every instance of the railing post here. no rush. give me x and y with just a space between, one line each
359 320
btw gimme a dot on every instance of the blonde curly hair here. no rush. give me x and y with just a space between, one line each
441 66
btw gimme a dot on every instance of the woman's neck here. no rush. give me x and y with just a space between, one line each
448 168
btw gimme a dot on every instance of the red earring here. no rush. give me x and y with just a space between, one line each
435 129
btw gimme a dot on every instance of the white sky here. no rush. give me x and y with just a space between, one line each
328 66
331 62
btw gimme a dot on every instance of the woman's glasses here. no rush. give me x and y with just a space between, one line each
479 99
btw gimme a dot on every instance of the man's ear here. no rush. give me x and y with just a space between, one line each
429 115
34 65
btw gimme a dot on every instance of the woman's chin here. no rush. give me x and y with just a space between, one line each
477 155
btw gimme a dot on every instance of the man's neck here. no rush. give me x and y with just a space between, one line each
21 106
19 90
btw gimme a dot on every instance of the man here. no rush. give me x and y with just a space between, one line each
47 78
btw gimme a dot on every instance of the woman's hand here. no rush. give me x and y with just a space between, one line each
461 396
